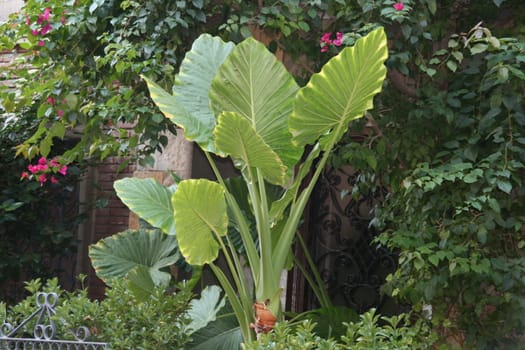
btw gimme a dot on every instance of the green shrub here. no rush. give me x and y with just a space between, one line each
371 332
120 319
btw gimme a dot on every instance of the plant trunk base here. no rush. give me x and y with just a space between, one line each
264 319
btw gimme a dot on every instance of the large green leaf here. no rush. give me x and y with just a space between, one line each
188 107
341 92
205 309
194 129
140 283
221 334
150 200
200 216
253 83
235 136
116 255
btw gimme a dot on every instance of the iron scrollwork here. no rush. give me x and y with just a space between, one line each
44 330
351 267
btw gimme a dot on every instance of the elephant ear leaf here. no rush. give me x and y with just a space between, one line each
188 107
201 218
235 136
139 251
254 83
150 200
341 92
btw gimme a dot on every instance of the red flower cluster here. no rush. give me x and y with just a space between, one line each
44 170
326 41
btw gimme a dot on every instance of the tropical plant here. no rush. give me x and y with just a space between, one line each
239 101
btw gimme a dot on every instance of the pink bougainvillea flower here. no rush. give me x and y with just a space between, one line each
399 6
325 41
60 113
53 180
45 29
338 41
63 170
42 160
42 178
44 16
51 100
54 162
41 43
35 32
24 175
326 38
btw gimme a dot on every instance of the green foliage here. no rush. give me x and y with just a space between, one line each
79 71
140 256
37 223
120 319
451 153
370 332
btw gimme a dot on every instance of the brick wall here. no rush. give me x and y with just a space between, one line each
113 218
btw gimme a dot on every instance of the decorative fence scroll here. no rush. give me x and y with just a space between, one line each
44 332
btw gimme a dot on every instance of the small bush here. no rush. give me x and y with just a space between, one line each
120 319
370 332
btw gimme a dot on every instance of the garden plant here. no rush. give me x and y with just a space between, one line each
445 138
239 101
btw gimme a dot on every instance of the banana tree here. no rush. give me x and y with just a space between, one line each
239 101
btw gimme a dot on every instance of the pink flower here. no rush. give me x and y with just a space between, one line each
42 161
63 170
35 32
51 100
42 178
60 113
54 180
338 41
326 38
41 43
45 29
325 41
399 6
24 175
28 21
54 163
44 16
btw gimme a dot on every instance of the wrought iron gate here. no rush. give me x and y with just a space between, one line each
340 242
43 335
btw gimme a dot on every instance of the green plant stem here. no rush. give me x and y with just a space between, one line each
285 240
316 283
240 312
267 289
244 229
